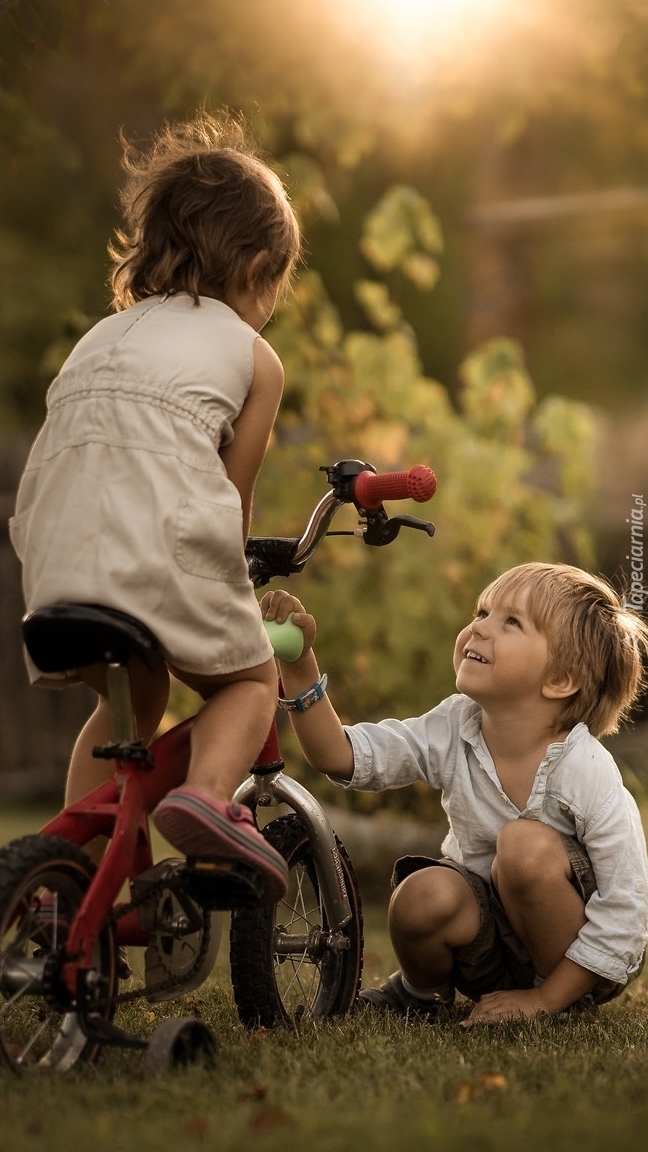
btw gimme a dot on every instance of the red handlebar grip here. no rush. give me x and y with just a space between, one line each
419 484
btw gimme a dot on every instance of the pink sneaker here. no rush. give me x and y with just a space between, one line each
199 826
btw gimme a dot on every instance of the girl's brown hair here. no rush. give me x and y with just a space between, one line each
198 206
592 637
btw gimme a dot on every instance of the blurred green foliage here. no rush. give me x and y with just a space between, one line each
553 104
514 480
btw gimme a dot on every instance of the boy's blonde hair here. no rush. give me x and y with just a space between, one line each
198 207
592 637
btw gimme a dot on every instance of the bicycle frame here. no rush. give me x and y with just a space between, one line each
119 810
269 787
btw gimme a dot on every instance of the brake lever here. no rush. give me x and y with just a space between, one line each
382 529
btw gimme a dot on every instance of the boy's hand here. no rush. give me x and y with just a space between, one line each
319 731
277 605
506 1005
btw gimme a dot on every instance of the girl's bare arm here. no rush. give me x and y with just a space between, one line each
244 456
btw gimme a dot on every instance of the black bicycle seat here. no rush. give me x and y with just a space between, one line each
62 637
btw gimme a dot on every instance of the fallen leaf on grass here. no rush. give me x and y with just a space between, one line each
197 1126
255 1091
493 1080
480 1085
268 1119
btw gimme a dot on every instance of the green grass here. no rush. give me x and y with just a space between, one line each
560 1084
563 1084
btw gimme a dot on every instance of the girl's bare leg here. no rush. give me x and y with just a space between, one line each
150 694
199 818
85 772
230 729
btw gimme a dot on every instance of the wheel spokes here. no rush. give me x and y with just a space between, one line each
297 965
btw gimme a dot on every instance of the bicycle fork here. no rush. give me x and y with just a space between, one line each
268 787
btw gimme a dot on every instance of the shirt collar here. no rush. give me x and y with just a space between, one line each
470 731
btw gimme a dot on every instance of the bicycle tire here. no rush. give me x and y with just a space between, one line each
43 880
317 980
180 1042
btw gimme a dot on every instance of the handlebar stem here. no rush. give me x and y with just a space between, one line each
317 526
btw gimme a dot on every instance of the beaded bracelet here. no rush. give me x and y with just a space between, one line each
305 700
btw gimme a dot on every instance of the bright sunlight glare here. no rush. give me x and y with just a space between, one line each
413 29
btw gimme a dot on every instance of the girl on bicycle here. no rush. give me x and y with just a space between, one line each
137 494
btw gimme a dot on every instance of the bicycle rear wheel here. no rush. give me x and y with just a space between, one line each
285 962
42 882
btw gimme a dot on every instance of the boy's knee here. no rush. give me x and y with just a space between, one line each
526 850
426 899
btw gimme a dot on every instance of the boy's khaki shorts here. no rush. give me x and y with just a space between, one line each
497 958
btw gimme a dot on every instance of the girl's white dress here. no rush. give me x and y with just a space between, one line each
124 500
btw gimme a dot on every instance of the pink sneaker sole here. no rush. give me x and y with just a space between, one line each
199 826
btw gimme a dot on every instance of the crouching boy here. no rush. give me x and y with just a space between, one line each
540 899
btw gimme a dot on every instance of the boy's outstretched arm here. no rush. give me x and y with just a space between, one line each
319 730
563 987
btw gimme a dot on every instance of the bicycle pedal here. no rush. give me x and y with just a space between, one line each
222 885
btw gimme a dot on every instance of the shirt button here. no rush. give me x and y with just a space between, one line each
640 887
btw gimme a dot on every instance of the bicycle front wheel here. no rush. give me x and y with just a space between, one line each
285 962
43 880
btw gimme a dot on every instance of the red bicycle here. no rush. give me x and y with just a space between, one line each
64 924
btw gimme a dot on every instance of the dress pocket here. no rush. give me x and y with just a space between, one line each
209 540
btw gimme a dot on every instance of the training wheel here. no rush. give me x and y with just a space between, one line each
179 1043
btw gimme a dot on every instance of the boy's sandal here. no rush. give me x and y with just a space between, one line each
392 996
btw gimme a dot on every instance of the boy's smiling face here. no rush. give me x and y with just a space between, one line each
501 657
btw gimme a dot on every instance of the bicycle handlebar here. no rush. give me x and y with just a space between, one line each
353 483
419 484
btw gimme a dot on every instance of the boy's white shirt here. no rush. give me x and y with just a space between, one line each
578 790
